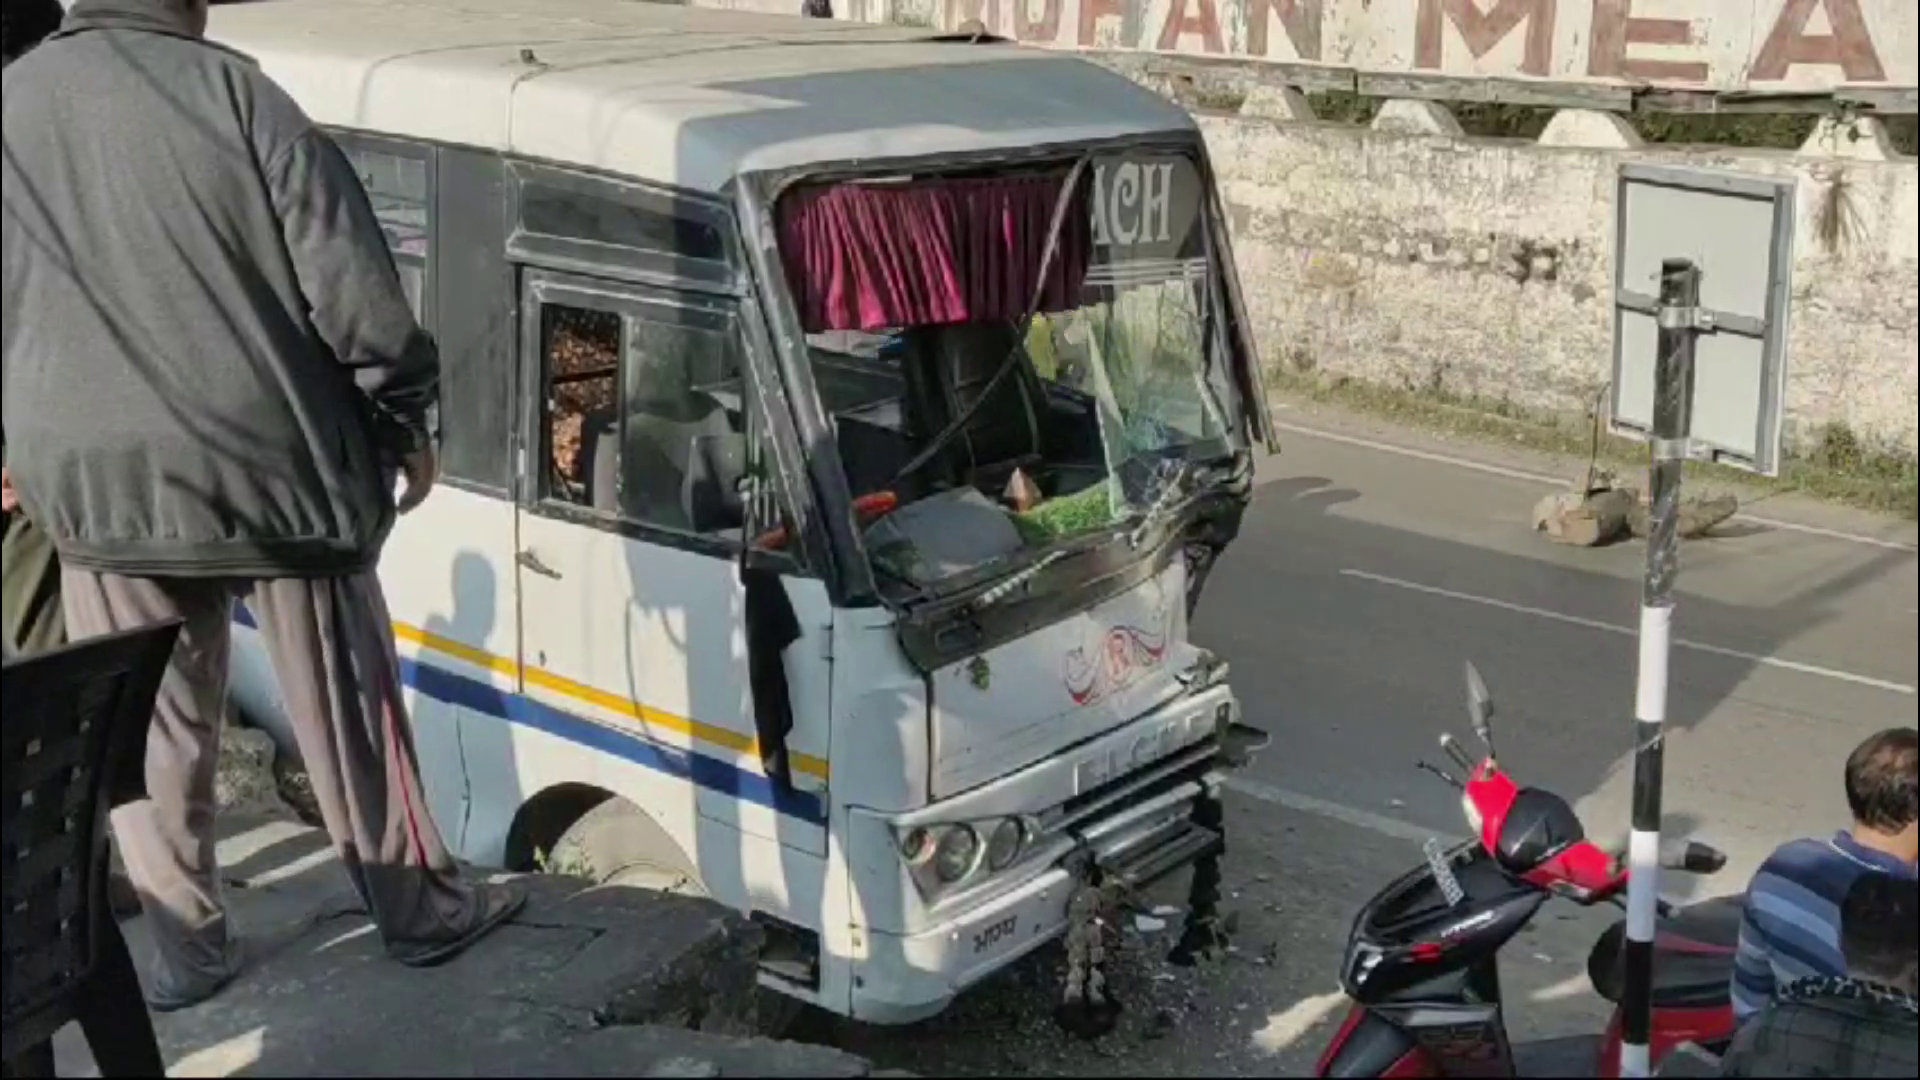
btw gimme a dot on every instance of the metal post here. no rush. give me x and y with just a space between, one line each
1672 409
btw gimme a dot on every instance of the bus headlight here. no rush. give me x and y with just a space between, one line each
955 854
945 856
916 845
1004 843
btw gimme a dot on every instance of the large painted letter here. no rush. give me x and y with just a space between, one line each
1204 21
1849 47
1091 12
1615 28
1482 30
1299 18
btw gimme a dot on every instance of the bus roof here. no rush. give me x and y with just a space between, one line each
677 95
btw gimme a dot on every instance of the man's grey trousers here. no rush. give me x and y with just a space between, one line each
331 644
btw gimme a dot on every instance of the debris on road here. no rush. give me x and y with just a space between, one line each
244 781
1605 514
1698 515
1587 519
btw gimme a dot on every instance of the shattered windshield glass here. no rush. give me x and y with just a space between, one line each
973 441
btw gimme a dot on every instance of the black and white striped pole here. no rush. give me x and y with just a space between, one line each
1679 321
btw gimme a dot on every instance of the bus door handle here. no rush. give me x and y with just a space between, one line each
533 562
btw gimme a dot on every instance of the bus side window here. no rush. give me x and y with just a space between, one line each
643 414
685 445
474 302
581 373
440 209
397 184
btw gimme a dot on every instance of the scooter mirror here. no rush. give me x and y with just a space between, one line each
1480 706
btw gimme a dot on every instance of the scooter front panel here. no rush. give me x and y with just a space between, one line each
1410 936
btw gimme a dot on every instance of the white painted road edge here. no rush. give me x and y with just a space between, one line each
1628 631
1561 482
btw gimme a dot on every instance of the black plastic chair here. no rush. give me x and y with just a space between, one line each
72 746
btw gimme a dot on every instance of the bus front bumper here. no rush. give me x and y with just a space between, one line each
909 977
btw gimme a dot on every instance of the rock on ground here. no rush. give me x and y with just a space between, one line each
255 778
244 781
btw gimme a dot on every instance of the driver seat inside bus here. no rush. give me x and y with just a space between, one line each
947 370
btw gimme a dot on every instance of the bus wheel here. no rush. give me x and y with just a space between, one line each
617 843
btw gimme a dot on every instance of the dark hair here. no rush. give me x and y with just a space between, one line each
1883 780
26 23
1880 929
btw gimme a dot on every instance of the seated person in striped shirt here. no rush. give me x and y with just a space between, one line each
1791 927
1864 1025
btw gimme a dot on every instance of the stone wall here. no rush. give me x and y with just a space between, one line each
1409 255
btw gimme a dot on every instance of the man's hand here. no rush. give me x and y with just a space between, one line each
9 500
421 468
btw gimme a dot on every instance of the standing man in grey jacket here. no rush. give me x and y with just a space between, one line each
212 381
30 619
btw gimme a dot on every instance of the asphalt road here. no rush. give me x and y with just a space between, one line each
1362 582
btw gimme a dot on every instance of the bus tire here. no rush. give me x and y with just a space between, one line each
617 843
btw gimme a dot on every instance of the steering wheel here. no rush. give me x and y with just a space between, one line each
869 508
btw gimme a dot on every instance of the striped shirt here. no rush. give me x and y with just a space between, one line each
1790 929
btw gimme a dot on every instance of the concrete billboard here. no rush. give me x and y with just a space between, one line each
1767 46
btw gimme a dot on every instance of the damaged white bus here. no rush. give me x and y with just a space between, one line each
838 425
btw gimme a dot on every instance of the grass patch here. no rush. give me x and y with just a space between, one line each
1835 467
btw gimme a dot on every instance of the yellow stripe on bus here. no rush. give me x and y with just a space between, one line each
737 742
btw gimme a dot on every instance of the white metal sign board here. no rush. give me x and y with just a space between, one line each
1739 230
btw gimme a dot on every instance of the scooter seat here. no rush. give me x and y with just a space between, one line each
1693 958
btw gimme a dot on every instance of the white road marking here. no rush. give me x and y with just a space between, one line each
287 871
1423 455
1628 631
1562 481
1574 986
1346 815
1830 534
228 1057
1283 1029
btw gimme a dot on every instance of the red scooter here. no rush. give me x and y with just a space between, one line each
1422 959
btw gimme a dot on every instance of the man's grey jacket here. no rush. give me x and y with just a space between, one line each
211 369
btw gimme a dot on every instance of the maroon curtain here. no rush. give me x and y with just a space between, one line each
875 256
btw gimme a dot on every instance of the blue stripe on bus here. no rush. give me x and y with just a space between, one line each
723 777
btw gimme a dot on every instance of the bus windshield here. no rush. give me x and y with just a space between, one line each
975 425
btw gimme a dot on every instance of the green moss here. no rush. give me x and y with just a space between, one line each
1344 107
